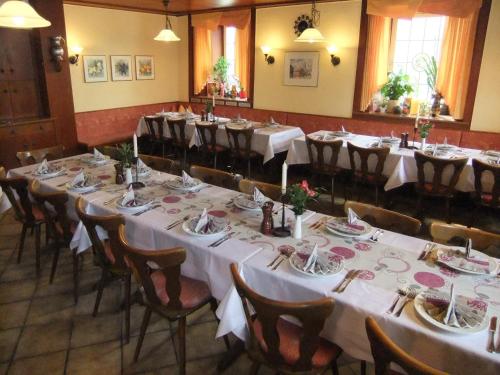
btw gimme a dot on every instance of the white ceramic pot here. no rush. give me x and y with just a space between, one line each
297 231
128 176
423 143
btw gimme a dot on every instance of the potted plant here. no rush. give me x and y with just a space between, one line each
221 68
429 66
424 129
299 195
126 155
396 86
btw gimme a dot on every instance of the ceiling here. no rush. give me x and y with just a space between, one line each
180 7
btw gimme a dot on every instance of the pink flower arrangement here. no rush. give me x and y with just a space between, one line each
299 195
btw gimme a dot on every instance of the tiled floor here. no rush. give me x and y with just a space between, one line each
43 332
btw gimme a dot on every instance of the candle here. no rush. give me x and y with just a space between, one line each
213 101
418 114
135 146
283 178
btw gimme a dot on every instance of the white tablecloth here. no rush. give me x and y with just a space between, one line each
400 166
387 265
4 202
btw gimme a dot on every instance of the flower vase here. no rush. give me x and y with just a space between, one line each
128 176
423 143
297 231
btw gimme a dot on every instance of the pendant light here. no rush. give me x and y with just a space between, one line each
167 34
312 34
20 15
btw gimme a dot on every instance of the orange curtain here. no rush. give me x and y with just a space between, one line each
409 8
376 58
237 18
454 65
202 43
243 56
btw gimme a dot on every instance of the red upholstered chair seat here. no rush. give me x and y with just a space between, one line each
290 335
217 148
442 189
193 292
487 198
72 227
37 213
370 178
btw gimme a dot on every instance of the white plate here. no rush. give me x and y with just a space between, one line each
368 229
340 134
177 185
49 175
419 307
315 275
492 267
132 210
185 228
240 203
93 161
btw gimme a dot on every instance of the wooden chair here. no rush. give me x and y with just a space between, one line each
180 142
108 255
209 146
484 198
161 164
362 174
166 292
437 188
241 151
215 177
281 345
59 225
36 156
455 234
156 136
269 190
321 167
385 219
385 352
29 215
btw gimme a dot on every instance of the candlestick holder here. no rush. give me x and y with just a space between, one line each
413 147
283 231
137 184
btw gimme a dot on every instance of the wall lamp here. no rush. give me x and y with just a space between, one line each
267 57
334 58
77 51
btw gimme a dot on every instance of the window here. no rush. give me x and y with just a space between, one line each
230 51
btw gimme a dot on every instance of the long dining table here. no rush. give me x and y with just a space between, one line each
387 264
400 166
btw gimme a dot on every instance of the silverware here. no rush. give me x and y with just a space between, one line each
221 240
177 222
339 285
108 202
64 183
147 210
374 237
423 254
491 334
283 258
349 280
274 260
400 293
410 296
89 192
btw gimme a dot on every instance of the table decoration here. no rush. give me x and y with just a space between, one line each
284 230
299 195
424 130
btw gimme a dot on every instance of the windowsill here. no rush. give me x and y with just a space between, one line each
219 100
439 121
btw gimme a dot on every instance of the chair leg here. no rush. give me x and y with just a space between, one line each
448 211
144 327
47 235
21 243
419 205
76 279
363 367
335 368
182 345
215 160
128 288
100 290
249 164
333 194
376 195
254 369
213 307
55 259
37 248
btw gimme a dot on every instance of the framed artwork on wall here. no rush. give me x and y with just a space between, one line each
95 69
121 68
301 69
144 67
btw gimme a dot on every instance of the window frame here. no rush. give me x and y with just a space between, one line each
477 55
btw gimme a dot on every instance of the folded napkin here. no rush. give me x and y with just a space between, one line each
140 165
43 167
379 142
445 141
202 221
434 152
98 155
392 134
129 197
343 130
181 109
187 180
311 261
189 109
79 180
258 197
351 216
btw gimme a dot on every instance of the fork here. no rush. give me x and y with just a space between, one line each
221 240
283 258
400 293
177 222
410 295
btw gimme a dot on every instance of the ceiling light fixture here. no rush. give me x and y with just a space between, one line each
312 34
20 15
167 34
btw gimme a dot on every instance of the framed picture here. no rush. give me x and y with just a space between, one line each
301 69
121 68
95 69
144 67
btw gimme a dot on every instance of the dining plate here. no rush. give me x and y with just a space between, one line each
52 172
186 228
454 258
418 303
93 161
340 134
340 227
246 203
83 189
493 153
142 204
335 263
177 184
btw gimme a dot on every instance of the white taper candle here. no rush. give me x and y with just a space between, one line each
136 153
284 172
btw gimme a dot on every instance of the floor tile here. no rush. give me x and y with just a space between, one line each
41 339
17 290
89 330
13 314
3 368
201 342
52 364
202 315
156 323
110 302
99 359
51 309
8 341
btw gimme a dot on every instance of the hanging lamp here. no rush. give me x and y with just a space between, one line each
312 34
167 34
20 15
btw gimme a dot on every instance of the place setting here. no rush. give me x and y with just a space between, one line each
185 184
351 226
252 202
48 170
83 183
313 262
97 158
134 203
206 226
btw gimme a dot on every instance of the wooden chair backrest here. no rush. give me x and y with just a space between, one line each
37 156
111 151
110 224
480 168
178 133
150 123
364 154
456 234
57 200
317 159
23 207
169 262
385 219
215 177
237 148
385 352
312 316
208 136
161 164
269 190
438 165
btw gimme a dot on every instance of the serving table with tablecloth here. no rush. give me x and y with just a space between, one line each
386 265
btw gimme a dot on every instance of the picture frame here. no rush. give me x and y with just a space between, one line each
301 69
144 67
121 67
95 68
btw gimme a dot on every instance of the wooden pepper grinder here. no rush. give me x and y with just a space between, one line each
119 178
267 225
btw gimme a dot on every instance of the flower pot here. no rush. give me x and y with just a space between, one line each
391 105
128 176
297 231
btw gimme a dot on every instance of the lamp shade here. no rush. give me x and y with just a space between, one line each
310 35
20 15
265 50
167 35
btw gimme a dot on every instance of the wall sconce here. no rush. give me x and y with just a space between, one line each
57 51
331 51
267 57
77 51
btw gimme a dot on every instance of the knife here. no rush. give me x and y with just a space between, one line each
491 334
349 280
146 210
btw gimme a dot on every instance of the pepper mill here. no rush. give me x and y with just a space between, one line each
402 142
119 178
406 140
267 225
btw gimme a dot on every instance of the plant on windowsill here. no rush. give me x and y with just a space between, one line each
396 86
221 68
430 68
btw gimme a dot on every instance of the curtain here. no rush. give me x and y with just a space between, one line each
242 68
454 65
409 8
202 43
376 58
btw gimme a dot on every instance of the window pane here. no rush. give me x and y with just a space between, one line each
230 51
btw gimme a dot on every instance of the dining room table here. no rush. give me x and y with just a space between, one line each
268 140
385 265
400 166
